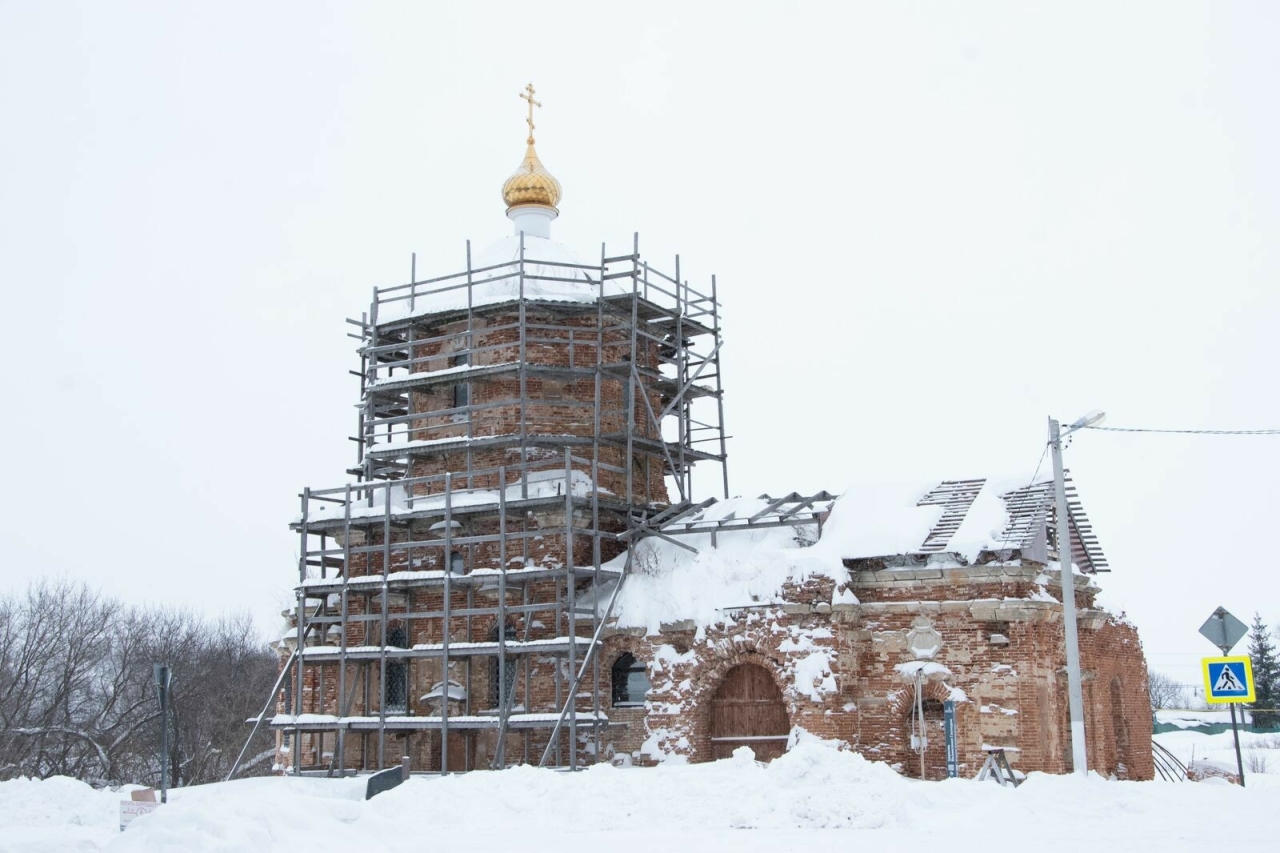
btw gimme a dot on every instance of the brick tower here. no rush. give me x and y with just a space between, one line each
521 420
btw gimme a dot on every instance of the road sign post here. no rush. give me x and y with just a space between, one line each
1223 630
1227 680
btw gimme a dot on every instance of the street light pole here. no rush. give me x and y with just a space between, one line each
163 676
1075 693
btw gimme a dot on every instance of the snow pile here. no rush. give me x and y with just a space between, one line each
258 816
813 786
880 519
57 801
746 568
815 796
57 814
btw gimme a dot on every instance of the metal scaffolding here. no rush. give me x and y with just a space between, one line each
518 426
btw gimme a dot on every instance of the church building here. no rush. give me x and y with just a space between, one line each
520 569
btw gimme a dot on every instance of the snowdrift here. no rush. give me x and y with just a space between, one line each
815 796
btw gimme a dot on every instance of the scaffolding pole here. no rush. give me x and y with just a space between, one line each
656 357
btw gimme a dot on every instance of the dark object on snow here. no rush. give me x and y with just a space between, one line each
997 767
383 780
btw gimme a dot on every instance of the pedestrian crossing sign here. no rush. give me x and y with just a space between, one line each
1228 680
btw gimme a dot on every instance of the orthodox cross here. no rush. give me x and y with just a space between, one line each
528 96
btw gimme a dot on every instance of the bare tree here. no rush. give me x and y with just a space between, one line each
209 710
1165 691
77 697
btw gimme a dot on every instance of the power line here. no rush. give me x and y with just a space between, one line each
1189 431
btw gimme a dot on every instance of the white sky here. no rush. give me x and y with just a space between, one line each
932 227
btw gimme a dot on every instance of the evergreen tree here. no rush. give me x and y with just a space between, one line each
1266 676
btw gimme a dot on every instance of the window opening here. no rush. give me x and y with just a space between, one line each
458 564
395 693
630 681
509 670
461 390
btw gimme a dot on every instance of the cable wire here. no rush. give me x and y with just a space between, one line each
1189 431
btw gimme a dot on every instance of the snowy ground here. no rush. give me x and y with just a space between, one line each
813 798
1260 753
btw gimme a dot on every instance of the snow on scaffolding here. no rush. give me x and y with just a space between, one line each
460 647
552 273
444 372
428 720
535 484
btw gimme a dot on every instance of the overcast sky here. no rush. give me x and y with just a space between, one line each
933 226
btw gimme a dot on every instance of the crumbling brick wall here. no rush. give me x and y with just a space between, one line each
999 653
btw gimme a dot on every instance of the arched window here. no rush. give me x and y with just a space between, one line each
457 563
630 681
395 692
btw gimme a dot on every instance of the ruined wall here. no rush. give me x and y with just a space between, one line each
987 637
1118 719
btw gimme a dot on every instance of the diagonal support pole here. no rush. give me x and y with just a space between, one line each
586 662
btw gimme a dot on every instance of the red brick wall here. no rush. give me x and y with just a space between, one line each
1003 655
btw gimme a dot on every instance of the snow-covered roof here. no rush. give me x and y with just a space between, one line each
713 560
962 517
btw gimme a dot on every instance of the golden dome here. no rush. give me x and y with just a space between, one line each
531 184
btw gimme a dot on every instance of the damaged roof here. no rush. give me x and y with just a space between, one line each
1029 526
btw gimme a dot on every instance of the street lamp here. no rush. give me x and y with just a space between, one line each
1075 694
164 677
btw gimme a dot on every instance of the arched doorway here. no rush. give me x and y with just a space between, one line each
747 710
935 741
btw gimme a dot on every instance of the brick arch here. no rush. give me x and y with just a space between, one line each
748 709
724 657
901 702
707 681
610 658
620 644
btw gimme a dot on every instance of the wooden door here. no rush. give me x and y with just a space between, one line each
747 710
